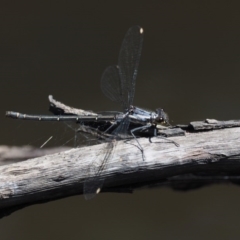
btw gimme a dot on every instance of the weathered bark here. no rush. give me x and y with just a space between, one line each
202 158
15 154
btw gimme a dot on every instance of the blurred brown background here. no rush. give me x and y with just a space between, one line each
190 66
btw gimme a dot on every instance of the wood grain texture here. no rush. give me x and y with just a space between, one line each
203 155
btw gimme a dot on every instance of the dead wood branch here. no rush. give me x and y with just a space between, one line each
59 108
9 155
202 158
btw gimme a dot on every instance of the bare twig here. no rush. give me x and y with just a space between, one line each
57 107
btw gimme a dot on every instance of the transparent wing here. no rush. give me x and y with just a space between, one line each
118 82
111 85
128 61
121 132
93 184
